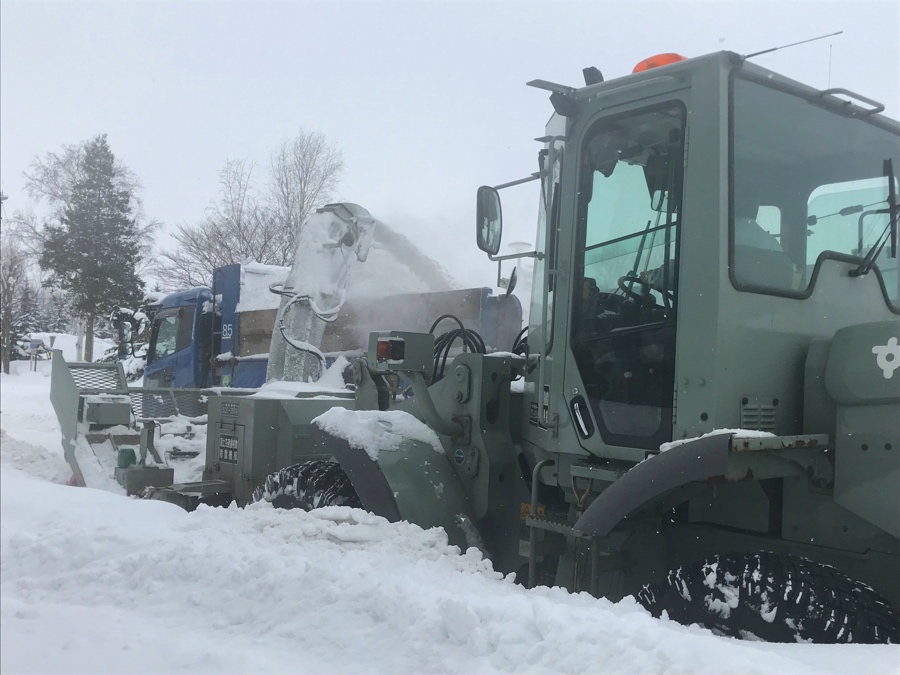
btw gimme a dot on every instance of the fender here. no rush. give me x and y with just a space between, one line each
697 460
409 482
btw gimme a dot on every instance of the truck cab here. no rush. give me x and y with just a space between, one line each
191 332
181 341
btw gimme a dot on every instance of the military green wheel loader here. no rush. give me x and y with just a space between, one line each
704 412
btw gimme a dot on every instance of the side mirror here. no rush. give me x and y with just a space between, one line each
125 331
489 220
659 201
511 286
126 349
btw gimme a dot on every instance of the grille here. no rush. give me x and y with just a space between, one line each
169 402
96 377
758 413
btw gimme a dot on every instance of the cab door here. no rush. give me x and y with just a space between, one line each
620 376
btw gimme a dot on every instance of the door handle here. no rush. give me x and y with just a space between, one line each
582 417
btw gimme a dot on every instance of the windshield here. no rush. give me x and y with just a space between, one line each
808 182
171 332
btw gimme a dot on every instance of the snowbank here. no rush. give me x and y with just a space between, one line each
94 582
67 344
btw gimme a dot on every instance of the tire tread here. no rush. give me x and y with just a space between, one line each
777 598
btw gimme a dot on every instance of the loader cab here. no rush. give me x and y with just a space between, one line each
700 224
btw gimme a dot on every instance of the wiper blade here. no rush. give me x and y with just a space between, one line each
846 211
890 230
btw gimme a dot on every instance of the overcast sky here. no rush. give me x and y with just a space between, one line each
426 100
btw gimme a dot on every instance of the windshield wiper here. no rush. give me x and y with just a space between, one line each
890 230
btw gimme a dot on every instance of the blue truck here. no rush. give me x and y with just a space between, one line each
220 336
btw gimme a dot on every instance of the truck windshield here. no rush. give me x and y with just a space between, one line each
808 182
171 332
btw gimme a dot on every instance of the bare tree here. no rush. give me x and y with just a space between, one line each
238 227
233 230
12 279
303 174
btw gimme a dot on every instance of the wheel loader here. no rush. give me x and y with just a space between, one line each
703 411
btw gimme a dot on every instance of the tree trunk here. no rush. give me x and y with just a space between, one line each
79 340
89 339
7 337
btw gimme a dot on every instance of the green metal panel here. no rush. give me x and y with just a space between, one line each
250 437
863 364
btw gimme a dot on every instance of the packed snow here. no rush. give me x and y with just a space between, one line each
737 433
94 582
255 281
375 431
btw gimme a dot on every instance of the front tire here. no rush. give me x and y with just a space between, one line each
308 485
776 598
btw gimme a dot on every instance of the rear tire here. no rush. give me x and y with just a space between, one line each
308 485
776 598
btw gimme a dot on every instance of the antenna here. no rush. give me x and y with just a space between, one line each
793 44
830 46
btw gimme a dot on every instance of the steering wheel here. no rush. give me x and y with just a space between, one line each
626 285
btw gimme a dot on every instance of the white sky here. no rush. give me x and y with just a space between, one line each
426 100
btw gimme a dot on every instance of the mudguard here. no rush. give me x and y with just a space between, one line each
696 460
862 377
410 481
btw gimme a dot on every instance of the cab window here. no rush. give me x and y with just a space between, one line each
172 331
825 174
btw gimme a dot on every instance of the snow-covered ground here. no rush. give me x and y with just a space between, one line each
95 582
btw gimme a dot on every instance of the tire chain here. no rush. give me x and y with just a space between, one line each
778 598
308 485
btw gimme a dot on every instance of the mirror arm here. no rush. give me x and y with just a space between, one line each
500 258
535 176
512 256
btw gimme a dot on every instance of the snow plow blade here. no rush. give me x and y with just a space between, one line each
694 461
409 480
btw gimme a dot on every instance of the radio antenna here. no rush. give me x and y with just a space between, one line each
829 65
793 44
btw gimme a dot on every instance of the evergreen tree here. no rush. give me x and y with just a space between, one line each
53 311
12 277
26 320
93 253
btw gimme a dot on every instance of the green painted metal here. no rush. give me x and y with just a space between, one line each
794 360
92 400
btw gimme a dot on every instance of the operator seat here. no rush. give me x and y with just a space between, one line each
759 259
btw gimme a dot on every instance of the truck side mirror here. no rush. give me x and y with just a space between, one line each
489 220
126 348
